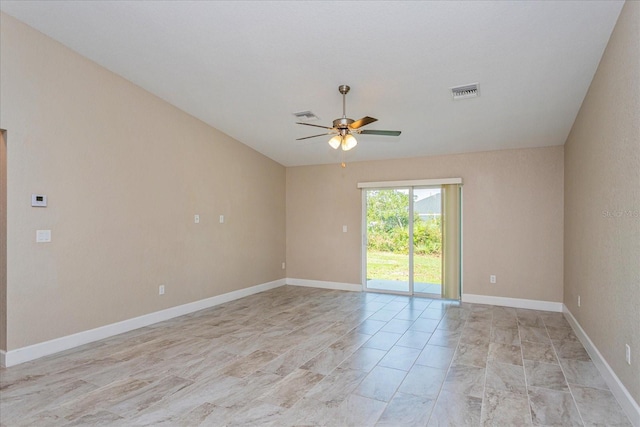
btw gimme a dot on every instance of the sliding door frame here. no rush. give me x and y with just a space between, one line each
410 185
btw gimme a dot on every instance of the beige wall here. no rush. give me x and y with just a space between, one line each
3 241
602 210
512 218
124 172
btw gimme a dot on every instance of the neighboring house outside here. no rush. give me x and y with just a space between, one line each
429 207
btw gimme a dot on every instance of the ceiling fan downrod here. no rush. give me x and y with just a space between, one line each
344 90
342 124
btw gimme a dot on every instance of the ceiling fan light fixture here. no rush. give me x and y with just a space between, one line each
335 142
349 142
344 128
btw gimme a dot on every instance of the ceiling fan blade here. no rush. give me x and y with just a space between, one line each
362 122
310 124
380 132
314 136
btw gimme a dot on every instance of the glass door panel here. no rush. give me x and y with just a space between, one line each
387 237
427 241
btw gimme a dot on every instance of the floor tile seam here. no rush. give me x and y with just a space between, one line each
373 398
535 387
398 369
553 347
484 382
590 386
437 399
385 407
338 365
524 371
434 399
531 342
352 389
539 361
573 398
413 348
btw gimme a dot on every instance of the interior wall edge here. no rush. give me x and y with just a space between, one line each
602 205
622 395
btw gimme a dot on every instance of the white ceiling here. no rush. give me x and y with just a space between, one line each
245 66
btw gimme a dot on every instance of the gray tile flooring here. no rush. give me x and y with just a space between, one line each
304 356
399 286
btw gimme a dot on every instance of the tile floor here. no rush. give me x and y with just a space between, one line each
400 286
303 356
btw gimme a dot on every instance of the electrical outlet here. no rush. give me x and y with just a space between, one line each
578 300
221 219
283 265
344 228
196 219
161 290
627 354
492 278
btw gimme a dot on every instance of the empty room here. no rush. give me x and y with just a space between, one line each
330 213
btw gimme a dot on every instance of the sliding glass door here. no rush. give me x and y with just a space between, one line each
411 240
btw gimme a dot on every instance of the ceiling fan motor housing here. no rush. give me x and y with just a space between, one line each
342 123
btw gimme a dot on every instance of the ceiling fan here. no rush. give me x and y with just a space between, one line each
344 128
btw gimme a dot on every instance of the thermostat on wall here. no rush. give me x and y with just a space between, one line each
39 200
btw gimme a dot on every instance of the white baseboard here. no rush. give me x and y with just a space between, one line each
325 285
513 302
35 351
626 401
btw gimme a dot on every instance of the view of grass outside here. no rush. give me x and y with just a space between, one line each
388 239
390 266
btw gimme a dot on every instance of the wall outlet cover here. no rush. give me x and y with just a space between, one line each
39 200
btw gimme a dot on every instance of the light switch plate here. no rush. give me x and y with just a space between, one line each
43 236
